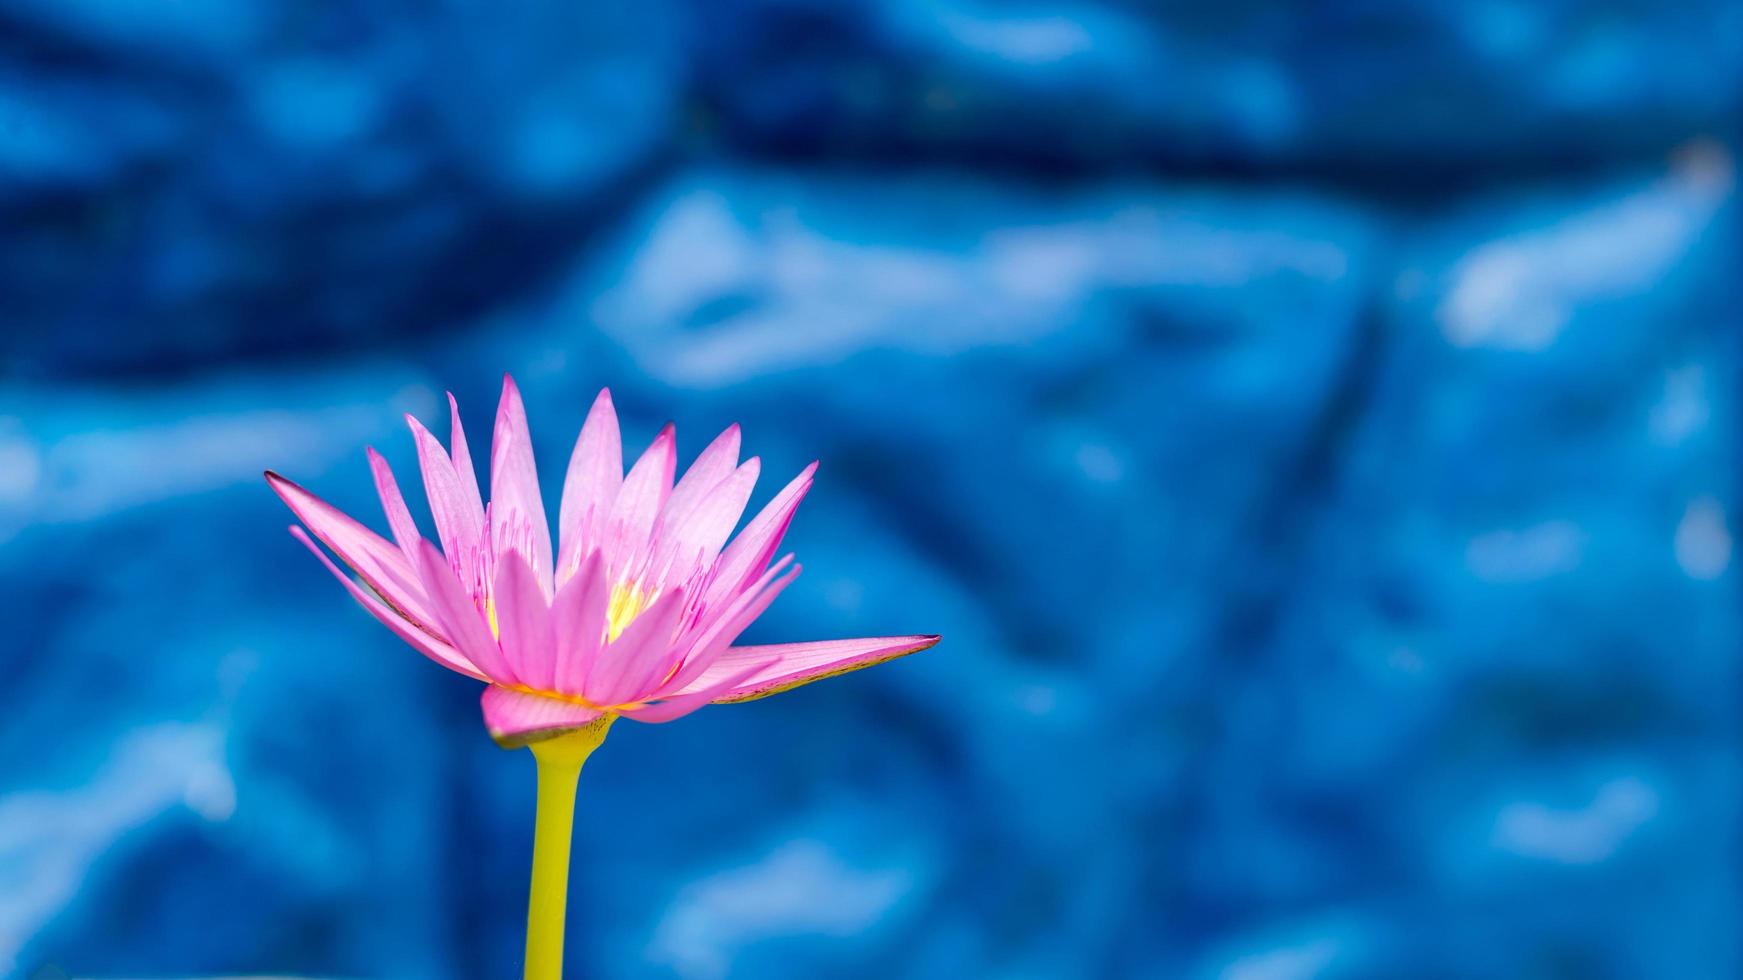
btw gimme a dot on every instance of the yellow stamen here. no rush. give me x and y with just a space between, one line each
490 614
627 602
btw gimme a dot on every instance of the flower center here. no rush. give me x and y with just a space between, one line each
627 602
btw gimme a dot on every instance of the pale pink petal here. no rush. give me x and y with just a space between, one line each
703 649
783 666
697 540
590 488
578 619
745 558
626 659
644 492
424 643
517 511
655 661
381 565
462 623
524 623
678 706
712 465
405 530
515 718
462 458
458 524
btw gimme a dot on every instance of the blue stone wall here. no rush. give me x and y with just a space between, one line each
1314 431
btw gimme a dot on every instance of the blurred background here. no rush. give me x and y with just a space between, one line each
1315 432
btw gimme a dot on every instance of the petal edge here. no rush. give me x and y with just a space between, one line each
790 665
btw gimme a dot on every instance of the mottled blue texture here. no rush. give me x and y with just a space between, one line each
1314 434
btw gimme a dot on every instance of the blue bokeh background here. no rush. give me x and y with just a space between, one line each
1313 428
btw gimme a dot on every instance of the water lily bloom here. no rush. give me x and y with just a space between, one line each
632 614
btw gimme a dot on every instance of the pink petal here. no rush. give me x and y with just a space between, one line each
644 492
578 618
590 488
747 555
524 623
515 718
677 707
783 666
517 510
698 539
381 565
458 523
705 648
462 623
654 662
626 659
462 459
420 641
712 465
405 530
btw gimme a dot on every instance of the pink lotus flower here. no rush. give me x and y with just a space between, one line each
635 612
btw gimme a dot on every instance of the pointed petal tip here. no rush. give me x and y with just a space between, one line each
286 488
430 553
594 562
511 400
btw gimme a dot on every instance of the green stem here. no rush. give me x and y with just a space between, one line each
559 762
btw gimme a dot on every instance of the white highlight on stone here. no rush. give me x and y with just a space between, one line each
1518 292
1683 410
1529 555
1703 541
1583 835
48 839
800 888
1300 962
